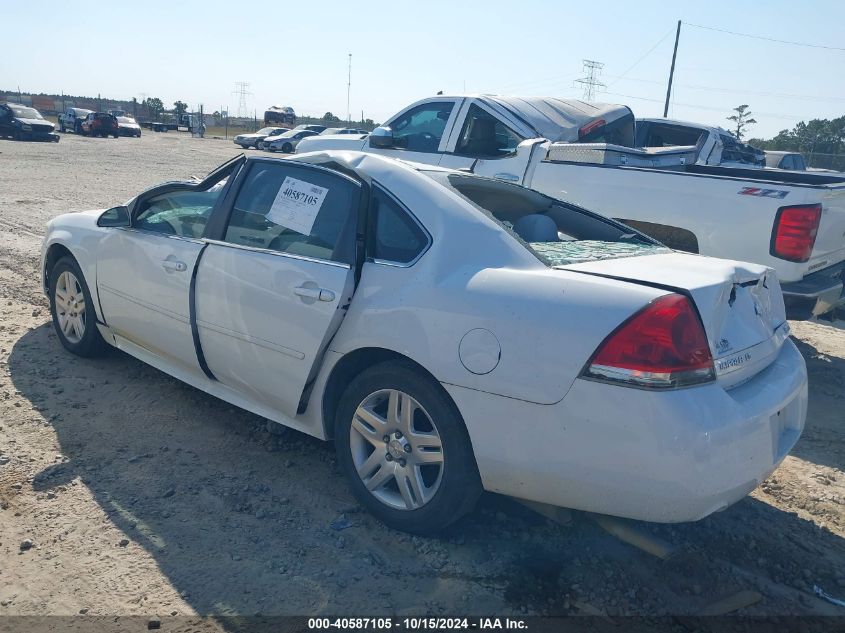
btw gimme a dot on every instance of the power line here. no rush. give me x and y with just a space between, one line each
713 108
729 90
590 83
768 39
648 52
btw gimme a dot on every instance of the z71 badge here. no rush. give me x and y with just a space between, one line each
763 193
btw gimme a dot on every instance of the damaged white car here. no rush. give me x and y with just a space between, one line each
451 333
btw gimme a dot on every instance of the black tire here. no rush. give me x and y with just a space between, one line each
91 343
286 148
459 484
61 126
78 128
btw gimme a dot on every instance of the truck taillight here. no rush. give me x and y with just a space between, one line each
663 346
584 130
794 232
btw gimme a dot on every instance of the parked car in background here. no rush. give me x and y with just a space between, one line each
584 153
100 124
312 127
280 115
117 113
342 130
480 335
712 145
785 160
127 126
253 139
23 123
285 142
71 119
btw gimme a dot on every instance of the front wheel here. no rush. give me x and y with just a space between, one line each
403 447
287 148
73 310
62 127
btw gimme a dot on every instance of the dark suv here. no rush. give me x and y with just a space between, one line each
24 123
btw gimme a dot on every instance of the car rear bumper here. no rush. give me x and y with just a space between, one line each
815 294
655 456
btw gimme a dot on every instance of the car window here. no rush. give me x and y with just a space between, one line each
786 163
181 213
483 135
296 210
420 129
397 237
798 162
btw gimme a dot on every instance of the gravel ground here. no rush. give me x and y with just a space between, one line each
125 492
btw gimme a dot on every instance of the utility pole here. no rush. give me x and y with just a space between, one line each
590 83
349 91
672 71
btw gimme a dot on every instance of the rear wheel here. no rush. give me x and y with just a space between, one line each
286 148
73 310
404 449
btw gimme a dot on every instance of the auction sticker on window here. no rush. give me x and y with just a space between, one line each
297 204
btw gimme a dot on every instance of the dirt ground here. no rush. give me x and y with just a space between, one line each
142 496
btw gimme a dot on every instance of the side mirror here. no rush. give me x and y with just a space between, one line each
116 216
381 137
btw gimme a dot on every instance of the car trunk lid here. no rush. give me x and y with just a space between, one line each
740 304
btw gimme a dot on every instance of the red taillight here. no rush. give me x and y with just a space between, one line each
661 347
589 127
795 230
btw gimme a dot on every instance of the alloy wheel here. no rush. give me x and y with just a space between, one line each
70 307
396 449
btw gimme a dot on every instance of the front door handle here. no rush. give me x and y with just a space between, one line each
175 265
506 176
317 294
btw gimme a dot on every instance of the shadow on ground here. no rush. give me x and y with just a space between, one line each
239 519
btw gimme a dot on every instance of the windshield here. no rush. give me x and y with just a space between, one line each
555 232
266 131
126 119
26 113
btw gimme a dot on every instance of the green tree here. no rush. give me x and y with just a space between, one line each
742 118
154 106
179 108
328 117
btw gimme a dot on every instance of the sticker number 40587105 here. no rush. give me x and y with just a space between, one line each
297 204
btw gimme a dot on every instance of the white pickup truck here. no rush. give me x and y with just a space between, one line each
713 145
584 153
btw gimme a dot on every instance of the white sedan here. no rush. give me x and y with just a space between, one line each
451 333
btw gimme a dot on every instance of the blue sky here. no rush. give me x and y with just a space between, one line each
403 51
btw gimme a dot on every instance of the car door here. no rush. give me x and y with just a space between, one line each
421 132
144 271
272 290
487 145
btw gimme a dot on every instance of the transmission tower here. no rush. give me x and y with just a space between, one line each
242 92
590 83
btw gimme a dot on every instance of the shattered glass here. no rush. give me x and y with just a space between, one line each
576 251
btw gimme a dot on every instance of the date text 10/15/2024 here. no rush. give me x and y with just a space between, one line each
417 624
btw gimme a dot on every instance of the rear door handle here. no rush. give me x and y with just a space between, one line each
175 265
318 294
